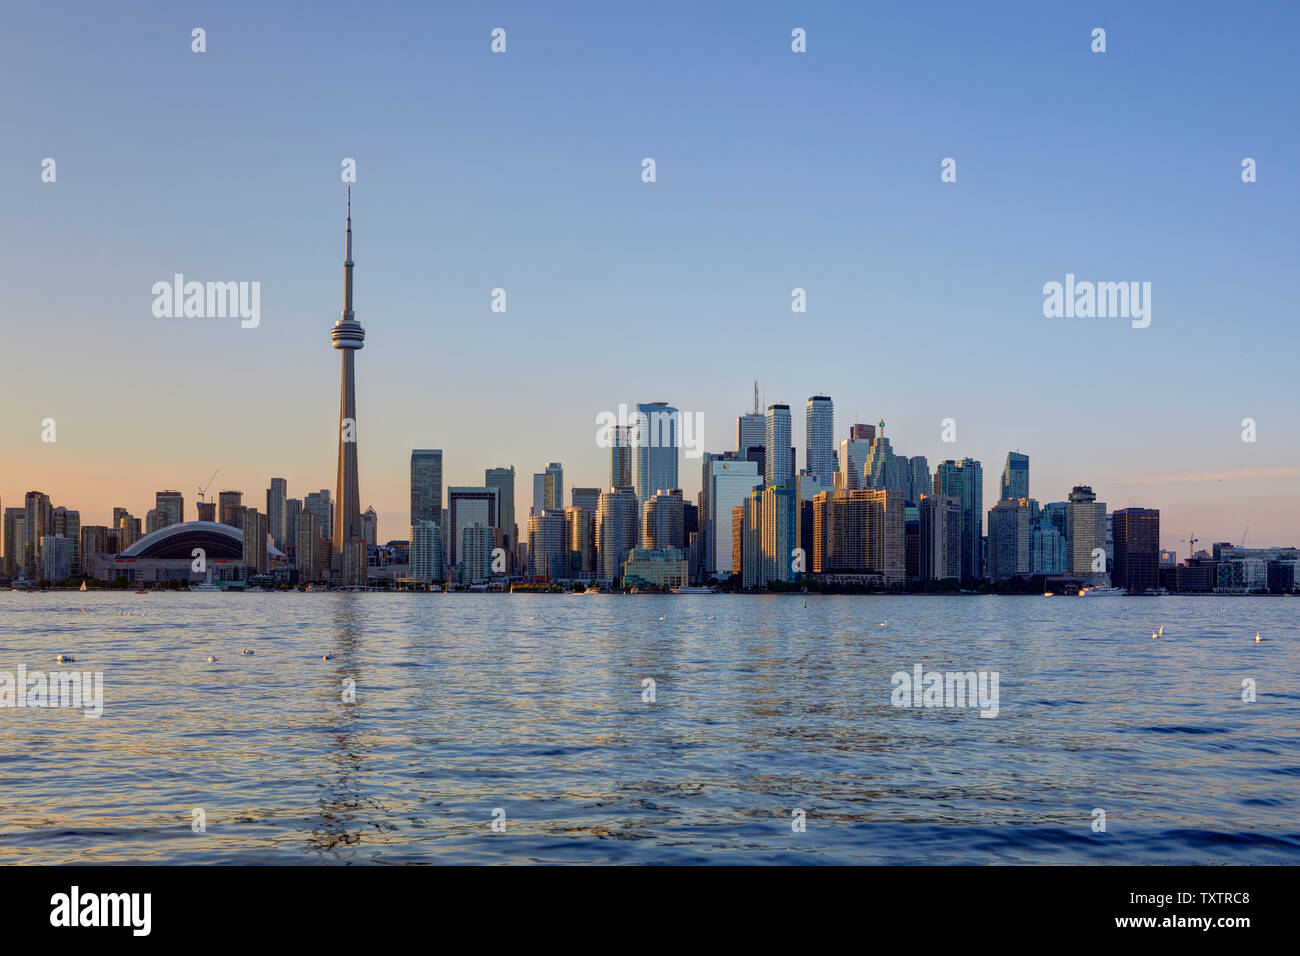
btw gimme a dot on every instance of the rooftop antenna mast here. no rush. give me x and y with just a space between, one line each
756 408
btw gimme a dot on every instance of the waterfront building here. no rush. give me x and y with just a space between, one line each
940 537
1137 549
655 568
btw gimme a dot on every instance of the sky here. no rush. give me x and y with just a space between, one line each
775 170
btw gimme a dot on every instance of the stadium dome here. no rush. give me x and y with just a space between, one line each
178 541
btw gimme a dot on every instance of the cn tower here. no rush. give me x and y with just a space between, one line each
349 557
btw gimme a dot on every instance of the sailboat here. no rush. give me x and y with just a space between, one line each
83 586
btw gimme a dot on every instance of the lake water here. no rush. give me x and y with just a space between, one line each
532 705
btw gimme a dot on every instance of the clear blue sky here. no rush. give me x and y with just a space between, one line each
775 170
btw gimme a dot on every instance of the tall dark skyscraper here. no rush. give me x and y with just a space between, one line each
1137 549
349 557
426 485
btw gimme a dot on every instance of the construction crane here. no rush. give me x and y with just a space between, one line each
1191 544
1243 536
203 490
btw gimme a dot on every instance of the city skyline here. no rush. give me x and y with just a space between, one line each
934 288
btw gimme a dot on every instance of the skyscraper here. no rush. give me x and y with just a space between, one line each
319 504
661 520
503 480
426 485
1137 549
170 506
15 540
730 482
780 531
467 505
548 546
230 509
778 459
819 451
940 537
620 457
1010 555
854 454
255 534
1086 531
426 551
859 531
349 554
1015 477
615 531
964 480
654 448
39 524
585 498
67 522
276 496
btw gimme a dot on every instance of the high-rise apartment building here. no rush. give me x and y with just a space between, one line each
620 457
616 530
779 455
940 537
964 480
15 541
67 522
256 531
819 452
276 496
426 551
1010 554
580 537
780 534
859 531
662 517
170 506
548 546
230 505
38 524
1086 531
312 547
476 545
319 504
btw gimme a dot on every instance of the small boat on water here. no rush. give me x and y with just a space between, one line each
1049 594
694 589
1102 590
